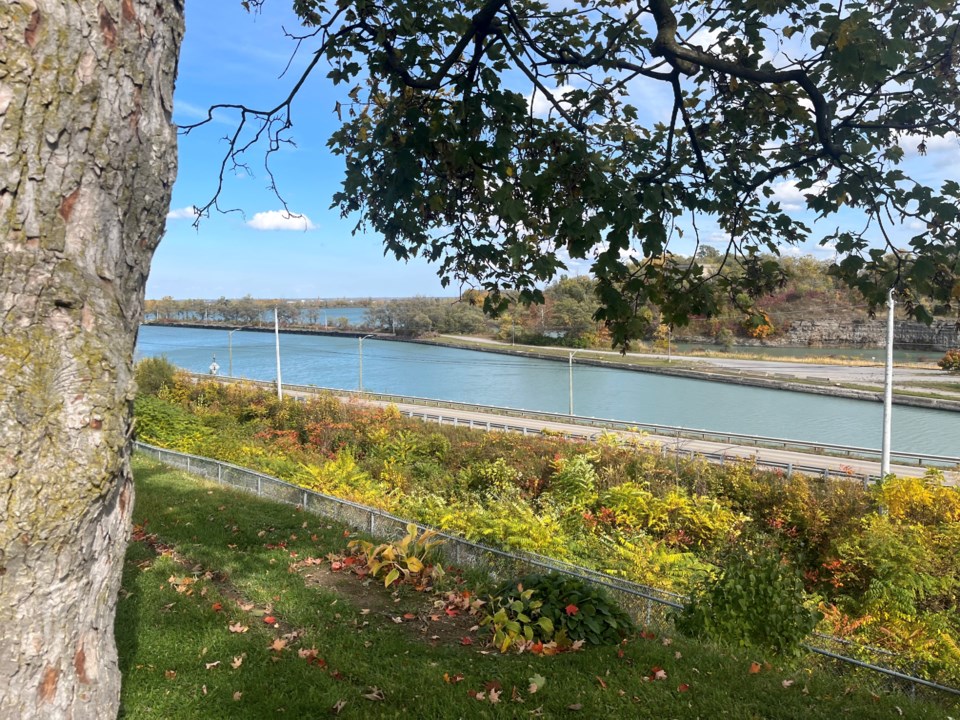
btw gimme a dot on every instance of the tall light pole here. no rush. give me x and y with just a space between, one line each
276 333
570 366
360 345
887 392
230 347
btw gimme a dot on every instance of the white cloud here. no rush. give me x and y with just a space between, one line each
793 198
911 143
540 105
184 213
280 220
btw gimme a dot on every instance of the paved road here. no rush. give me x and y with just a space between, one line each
800 461
712 450
866 374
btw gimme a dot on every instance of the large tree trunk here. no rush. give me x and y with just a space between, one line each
87 161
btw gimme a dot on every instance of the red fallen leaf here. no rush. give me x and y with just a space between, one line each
571 609
683 687
336 566
217 607
347 561
270 620
754 668
451 612
537 648
646 635
466 640
313 537
409 616
336 675
452 679
620 652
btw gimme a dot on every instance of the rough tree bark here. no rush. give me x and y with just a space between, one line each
87 161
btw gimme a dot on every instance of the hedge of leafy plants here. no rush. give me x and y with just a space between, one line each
880 565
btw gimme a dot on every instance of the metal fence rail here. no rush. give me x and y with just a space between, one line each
649 605
607 424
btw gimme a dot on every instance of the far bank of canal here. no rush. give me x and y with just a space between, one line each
532 383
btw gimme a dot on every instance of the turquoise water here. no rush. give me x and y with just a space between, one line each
491 379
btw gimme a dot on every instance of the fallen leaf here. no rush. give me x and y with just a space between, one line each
571 609
375 694
170 674
677 655
754 668
494 696
246 607
338 706
270 620
466 640
237 695
211 665
452 679
217 607
600 680
536 682
278 645
409 616
575 706
658 673
683 687
667 642
237 661
238 628
203 689
787 683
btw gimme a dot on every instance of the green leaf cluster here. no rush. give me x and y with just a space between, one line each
754 599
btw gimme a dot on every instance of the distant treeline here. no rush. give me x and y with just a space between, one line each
805 291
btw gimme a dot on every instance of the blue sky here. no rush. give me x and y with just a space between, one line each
230 56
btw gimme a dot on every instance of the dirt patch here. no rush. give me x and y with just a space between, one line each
434 618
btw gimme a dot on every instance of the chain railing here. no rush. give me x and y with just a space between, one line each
649 605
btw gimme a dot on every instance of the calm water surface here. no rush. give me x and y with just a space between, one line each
491 379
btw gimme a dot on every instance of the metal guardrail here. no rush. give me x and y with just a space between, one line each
663 448
646 603
664 431
669 430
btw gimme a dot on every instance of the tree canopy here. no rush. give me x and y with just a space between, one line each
505 138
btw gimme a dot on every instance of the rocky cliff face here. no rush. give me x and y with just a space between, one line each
871 333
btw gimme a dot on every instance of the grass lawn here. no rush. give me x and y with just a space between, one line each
213 623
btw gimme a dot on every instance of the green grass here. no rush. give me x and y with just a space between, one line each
219 538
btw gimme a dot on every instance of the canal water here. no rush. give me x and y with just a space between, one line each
493 379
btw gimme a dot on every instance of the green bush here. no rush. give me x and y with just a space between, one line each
153 374
755 600
161 423
575 609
